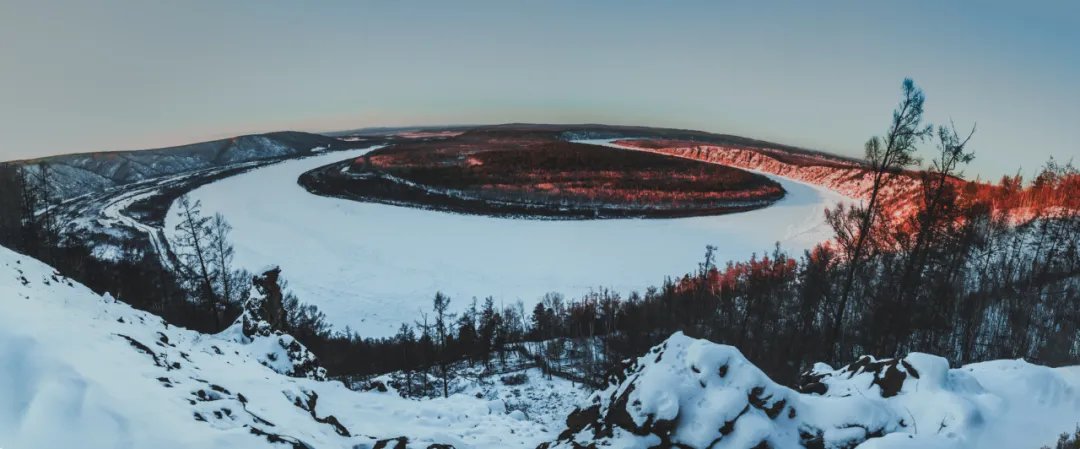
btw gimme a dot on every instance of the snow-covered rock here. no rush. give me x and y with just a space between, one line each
260 327
691 393
81 370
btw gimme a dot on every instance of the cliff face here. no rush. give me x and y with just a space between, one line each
843 176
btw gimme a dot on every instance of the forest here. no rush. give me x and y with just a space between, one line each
979 271
510 172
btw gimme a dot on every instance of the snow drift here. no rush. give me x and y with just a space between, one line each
83 370
691 393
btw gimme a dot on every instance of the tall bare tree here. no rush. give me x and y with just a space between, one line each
885 157
193 245
938 203
229 281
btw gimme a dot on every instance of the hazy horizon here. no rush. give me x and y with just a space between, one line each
116 75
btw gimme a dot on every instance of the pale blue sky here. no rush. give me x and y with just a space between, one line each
87 75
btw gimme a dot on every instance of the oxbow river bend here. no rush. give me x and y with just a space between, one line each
371 267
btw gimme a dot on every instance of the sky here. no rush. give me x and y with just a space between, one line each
89 75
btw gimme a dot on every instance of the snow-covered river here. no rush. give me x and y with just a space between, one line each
372 267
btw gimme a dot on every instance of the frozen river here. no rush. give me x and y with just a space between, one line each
372 266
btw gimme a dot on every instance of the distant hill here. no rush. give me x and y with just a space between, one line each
81 173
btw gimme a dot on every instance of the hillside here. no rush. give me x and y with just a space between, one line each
77 174
83 370
113 377
838 174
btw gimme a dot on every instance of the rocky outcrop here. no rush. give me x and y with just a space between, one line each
888 375
264 313
263 325
686 393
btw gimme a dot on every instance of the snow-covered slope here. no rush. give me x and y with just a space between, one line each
372 266
692 393
79 370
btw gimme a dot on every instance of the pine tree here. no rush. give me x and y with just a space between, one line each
467 334
12 212
406 339
488 327
440 305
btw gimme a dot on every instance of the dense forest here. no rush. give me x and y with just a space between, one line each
517 173
979 271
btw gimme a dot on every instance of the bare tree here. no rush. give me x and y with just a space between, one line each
885 157
230 282
938 198
193 245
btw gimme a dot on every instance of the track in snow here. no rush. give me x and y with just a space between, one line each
372 267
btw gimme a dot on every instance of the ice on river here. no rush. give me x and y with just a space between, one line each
372 266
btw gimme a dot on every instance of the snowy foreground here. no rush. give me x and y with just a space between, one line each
372 267
78 370
82 370
697 394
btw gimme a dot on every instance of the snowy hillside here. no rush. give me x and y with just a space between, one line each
82 370
697 394
72 175
113 377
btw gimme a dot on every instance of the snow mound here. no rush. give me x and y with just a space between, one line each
83 370
691 393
